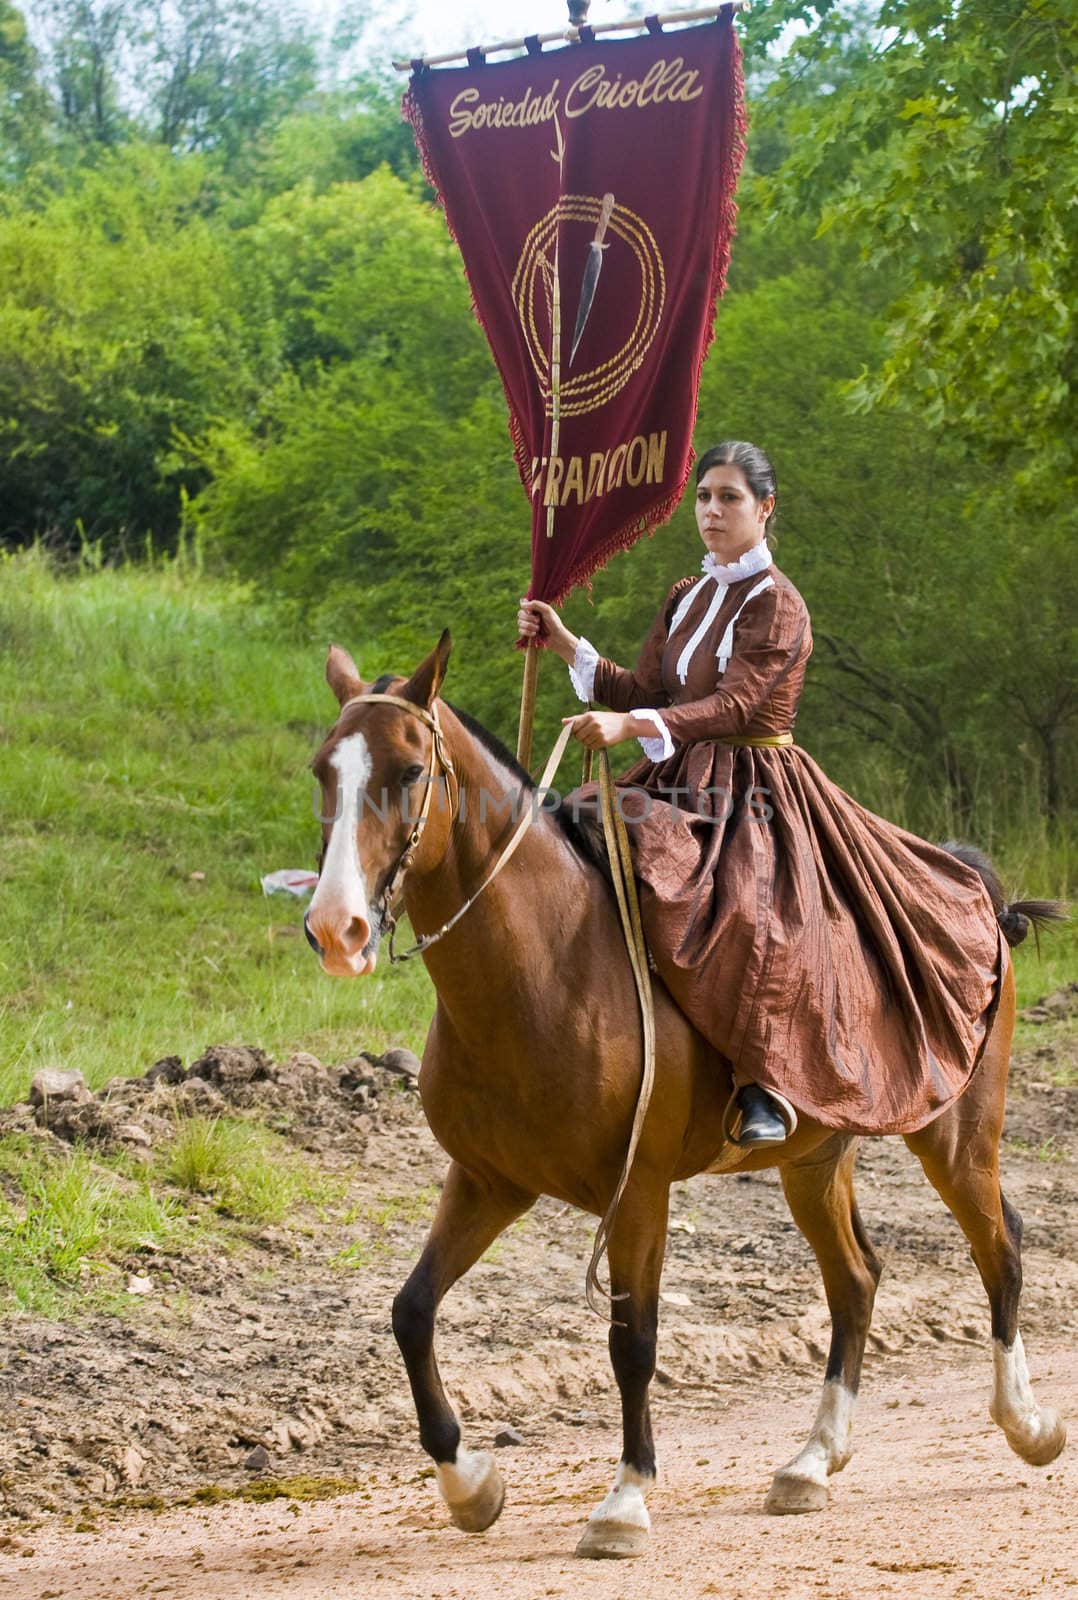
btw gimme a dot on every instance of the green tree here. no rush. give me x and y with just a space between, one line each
374 488
220 76
195 74
86 42
24 108
339 136
952 156
121 327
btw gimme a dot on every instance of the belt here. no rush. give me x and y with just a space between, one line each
762 741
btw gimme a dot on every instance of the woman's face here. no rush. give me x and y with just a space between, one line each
730 518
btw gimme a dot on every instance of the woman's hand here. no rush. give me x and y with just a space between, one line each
536 618
600 729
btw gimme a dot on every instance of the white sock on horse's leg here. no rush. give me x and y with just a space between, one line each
625 1502
801 1485
1036 1434
619 1526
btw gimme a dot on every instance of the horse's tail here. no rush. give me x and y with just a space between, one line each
1016 918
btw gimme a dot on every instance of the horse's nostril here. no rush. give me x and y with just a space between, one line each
311 940
357 934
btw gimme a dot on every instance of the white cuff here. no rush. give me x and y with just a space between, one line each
582 671
661 748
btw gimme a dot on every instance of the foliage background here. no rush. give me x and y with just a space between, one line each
229 309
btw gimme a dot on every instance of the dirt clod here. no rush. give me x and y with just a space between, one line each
227 1064
1054 1007
57 1084
399 1061
169 1069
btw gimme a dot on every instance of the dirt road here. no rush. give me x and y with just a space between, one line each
933 1504
287 1347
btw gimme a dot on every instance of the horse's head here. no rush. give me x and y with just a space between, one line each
385 805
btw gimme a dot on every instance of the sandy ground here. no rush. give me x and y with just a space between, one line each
287 1346
933 1504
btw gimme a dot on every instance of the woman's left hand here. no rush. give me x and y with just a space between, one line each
600 729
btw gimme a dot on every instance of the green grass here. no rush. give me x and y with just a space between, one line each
1038 864
378 1221
249 1172
74 1224
65 1223
153 725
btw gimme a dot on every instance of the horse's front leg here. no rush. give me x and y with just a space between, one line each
619 1526
471 1215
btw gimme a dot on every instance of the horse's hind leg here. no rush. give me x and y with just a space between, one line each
960 1155
819 1192
471 1215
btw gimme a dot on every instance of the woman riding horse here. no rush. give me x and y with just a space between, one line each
866 963
841 962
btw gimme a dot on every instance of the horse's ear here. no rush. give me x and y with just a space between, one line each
426 680
342 675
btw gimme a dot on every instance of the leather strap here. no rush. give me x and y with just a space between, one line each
437 754
621 870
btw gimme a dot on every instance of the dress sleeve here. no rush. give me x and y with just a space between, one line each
623 690
768 640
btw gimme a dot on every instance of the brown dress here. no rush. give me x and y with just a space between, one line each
825 952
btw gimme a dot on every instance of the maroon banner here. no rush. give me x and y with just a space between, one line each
591 192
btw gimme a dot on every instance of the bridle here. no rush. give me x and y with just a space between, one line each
440 757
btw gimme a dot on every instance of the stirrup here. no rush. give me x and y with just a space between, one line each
781 1104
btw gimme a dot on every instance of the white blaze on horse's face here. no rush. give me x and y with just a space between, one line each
339 913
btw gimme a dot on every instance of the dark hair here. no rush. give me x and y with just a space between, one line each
753 462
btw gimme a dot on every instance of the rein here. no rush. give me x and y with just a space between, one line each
624 881
621 871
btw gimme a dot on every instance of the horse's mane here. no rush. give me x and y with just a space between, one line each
584 834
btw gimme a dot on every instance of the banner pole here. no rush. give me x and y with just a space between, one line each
578 15
527 706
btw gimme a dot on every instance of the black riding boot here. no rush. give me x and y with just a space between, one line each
761 1121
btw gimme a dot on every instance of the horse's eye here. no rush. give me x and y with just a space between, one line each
411 775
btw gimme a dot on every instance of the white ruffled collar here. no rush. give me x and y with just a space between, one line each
758 559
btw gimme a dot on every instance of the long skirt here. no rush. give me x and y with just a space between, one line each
823 951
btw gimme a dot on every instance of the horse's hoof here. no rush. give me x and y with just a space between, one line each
1043 1448
483 1506
612 1541
791 1496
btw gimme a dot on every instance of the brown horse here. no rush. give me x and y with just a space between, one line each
531 1074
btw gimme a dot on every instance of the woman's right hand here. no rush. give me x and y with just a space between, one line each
535 618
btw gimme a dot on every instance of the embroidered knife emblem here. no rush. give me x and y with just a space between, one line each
591 272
